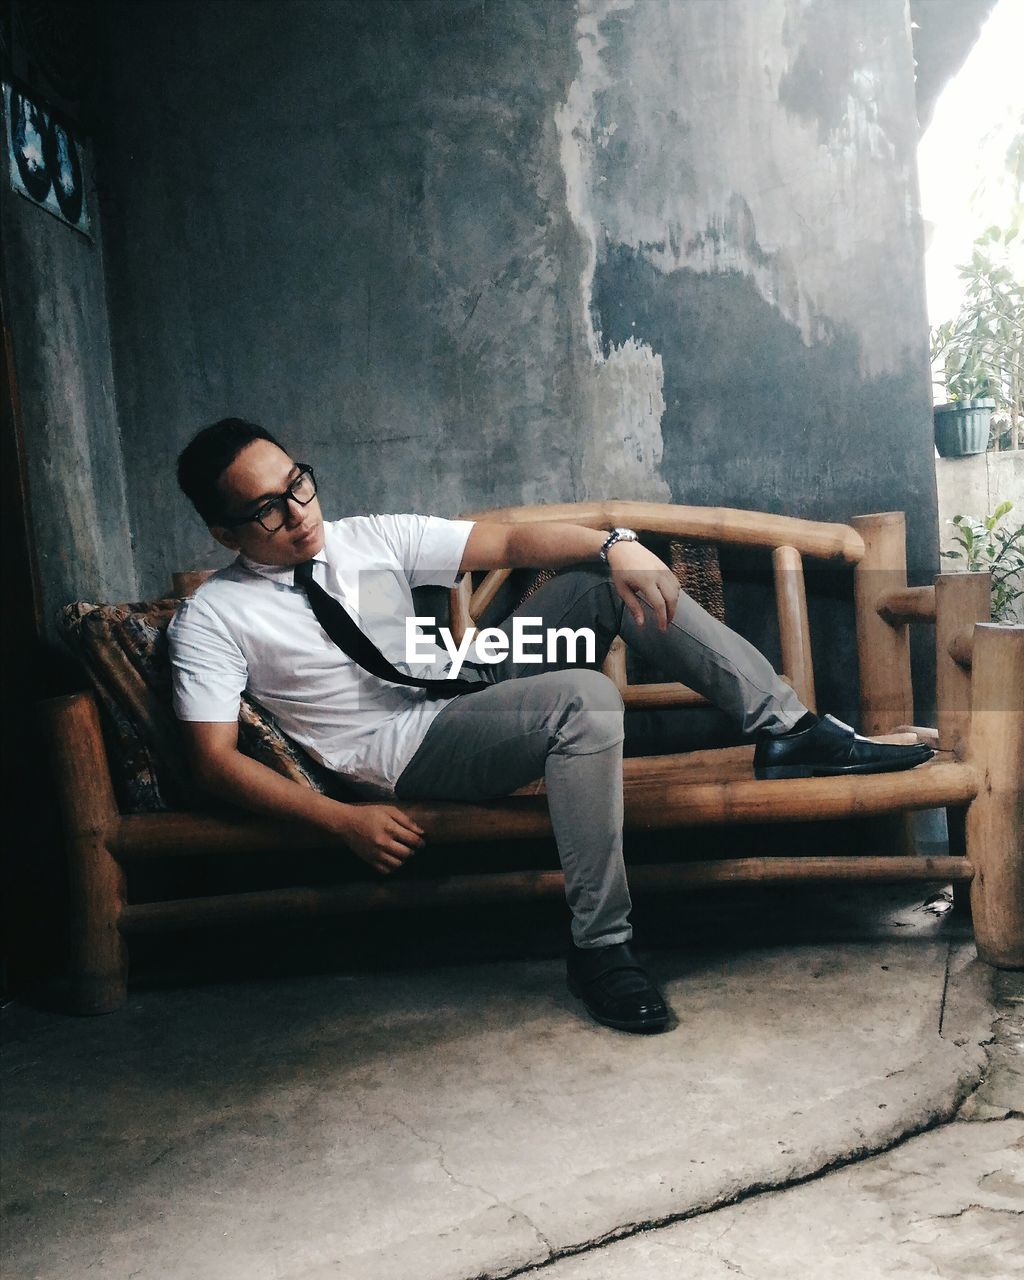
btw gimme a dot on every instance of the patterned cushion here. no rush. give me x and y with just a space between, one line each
696 566
123 648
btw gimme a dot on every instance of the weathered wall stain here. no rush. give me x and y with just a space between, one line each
621 449
721 161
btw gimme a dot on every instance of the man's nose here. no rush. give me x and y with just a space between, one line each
293 510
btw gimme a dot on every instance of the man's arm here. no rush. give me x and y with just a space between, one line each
555 545
381 834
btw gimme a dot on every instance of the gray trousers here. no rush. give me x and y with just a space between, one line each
566 723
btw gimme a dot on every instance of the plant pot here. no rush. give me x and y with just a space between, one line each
962 429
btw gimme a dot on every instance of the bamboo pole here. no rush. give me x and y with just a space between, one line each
657 696
713 764
85 796
668 804
817 538
961 647
614 665
883 649
487 590
460 607
916 732
650 803
794 629
914 604
995 819
500 887
961 600
170 835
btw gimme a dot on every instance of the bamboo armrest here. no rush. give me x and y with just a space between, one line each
728 525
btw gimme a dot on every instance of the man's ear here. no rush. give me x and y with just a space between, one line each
226 537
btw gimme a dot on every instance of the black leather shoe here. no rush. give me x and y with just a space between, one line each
615 988
830 748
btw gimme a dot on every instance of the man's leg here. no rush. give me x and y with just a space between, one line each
695 648
564 726
705 654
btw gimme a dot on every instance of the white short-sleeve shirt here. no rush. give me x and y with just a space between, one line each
249 627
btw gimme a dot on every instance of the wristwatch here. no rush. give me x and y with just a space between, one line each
616 535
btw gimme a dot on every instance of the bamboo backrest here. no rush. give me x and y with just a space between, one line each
788 538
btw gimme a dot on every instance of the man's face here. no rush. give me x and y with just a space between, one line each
261 472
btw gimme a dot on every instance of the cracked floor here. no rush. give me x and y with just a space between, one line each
948 1203
842 1091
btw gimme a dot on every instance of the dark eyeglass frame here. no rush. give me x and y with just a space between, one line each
278 503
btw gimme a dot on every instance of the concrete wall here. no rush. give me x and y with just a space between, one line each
56 310
975 486
464 253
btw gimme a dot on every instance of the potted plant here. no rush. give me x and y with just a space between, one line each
980 354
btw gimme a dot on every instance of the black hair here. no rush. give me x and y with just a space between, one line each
208 455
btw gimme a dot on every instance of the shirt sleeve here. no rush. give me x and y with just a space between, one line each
208 669
428 548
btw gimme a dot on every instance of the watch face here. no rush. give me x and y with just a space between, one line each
616 535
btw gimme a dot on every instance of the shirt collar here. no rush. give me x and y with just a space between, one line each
282 573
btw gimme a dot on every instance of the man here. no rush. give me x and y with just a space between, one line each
271 623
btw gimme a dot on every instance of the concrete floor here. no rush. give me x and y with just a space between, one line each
451 1113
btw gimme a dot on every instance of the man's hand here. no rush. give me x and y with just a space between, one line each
382 835
638 572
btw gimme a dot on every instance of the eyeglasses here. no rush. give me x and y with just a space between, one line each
274 512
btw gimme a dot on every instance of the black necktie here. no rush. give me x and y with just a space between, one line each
350 639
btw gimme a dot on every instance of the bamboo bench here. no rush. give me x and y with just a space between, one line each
979 767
